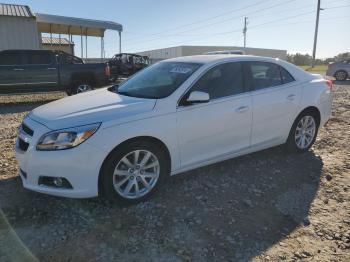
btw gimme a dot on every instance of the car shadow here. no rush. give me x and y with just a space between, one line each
231 211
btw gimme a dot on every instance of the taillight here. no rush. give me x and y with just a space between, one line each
329 84
107 71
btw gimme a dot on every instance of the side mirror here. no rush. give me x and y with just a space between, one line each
198 97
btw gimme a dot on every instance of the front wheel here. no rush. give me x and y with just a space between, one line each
303 133
134 172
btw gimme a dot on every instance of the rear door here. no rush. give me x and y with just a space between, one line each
41 71
12 78
276 96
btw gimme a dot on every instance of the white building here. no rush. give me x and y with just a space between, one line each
172 52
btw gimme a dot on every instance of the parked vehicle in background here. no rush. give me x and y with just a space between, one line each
171 117
339 70
125 65
30 71
226 52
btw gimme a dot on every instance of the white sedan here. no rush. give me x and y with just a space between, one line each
179 114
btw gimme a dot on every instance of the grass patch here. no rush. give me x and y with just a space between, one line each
317 68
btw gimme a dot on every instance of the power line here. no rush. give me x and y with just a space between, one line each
142 35
255 27
200 27
258 25
335 7
209 18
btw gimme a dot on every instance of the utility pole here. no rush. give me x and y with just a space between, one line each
316 32
245 30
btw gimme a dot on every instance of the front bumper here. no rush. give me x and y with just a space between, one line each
79 165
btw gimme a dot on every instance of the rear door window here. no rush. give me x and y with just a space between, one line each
10 59
264 75
69 59
39 58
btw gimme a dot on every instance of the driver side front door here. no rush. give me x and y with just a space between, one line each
220 127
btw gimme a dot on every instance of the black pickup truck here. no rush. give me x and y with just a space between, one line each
29 71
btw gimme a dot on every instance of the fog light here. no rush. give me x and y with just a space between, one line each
58 181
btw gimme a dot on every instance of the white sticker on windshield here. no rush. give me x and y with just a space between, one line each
181 70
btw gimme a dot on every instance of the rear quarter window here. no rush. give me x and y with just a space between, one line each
264 75
286 76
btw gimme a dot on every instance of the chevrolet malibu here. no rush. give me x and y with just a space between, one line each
179 114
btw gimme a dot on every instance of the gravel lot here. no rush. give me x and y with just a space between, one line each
266 206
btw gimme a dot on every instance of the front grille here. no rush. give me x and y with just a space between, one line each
26 129
22 144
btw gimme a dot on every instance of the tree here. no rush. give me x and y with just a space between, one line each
302 60
342 56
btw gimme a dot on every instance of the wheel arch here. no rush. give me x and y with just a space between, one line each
312 109
83 76
150 139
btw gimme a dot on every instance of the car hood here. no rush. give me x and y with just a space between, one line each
91 107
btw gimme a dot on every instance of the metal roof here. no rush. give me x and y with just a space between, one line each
72 25
55 41
15 10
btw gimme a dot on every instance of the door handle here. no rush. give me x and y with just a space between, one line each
291 97
18 69
242 109
52 68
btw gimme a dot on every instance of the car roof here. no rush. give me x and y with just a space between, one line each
206 59
210 60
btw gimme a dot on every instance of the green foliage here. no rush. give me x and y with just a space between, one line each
304 60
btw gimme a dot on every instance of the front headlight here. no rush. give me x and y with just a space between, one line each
66 138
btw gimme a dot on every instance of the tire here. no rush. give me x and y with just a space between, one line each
298 131
80 86
341 75
115 170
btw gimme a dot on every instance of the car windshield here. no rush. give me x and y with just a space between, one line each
159 80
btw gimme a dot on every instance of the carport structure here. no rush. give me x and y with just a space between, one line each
54 24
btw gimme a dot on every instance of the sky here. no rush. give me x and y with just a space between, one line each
153 24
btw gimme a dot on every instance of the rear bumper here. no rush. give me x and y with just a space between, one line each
330 72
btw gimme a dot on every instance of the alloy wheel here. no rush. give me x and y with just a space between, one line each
83 88
305 132
341 76
136 174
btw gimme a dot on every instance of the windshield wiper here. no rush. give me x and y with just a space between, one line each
124 93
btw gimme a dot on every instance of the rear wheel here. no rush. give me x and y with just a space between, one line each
341 75
80 86
303 133
134 172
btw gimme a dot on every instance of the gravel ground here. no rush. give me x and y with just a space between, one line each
266 206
